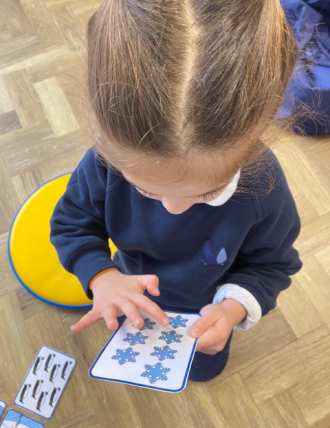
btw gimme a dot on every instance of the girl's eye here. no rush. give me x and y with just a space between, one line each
209 197
142 192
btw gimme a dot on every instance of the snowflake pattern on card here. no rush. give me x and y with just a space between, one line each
135 338
178 321
148 325
125 356
164 353
155 372
170 336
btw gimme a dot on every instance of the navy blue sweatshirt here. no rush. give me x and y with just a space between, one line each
247 241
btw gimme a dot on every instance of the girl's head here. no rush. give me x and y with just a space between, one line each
181 91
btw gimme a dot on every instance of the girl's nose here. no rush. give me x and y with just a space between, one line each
176 206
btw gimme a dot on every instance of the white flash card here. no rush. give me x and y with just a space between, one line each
154 356
45 381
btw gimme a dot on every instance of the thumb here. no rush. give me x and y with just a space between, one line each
208 317
150 283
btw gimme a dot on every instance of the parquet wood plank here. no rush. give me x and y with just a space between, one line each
4 33
40 59
233 399
282 411
17 22
84 419
324 423
23 138
57 63
69 28
29 304
56 107
313 396
31 158
315 282
269 335
6 102
302 316
323 257
302 179
25 99
42 22
61 163
306 209
8 198
9 122
288 366
26 183
19 354
314 236
18 49
3 248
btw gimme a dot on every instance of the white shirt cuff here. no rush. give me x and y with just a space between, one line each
243 296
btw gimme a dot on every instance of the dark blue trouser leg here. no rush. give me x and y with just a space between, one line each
205 367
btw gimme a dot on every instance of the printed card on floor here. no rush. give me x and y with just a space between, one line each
45 381
154 356
2 407
14 419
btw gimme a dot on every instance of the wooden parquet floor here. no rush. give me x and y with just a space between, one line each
278 374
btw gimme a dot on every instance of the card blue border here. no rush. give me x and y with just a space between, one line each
141 385
4 408
12 264
28 417
34 413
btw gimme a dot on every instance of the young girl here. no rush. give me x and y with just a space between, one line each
180 94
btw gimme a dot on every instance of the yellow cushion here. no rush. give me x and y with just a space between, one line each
32 256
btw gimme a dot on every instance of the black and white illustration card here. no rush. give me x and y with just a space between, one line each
45 381
154 356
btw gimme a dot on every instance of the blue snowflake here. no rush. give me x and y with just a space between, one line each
178 321
170 336
156 372
125 356
135 338
163 353
147 324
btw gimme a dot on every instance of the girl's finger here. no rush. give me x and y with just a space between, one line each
110 317
131 311
209 339
151 308
150 283
85 321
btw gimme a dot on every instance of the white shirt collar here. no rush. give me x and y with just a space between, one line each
227 193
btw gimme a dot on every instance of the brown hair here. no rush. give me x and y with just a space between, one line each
169 78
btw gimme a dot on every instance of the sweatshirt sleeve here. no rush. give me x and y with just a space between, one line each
267 258
78 230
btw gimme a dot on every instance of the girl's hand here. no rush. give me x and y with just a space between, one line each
116 294
213 328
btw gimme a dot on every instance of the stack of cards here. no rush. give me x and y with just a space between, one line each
154 356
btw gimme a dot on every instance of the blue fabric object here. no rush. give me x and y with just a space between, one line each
257 232
310 80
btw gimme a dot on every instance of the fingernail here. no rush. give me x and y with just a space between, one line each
194 333
157 292
165 320
136 322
